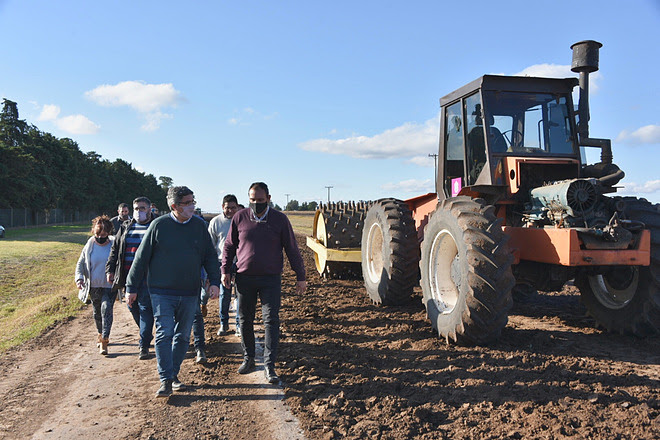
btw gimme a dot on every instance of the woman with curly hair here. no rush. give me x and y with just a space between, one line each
91 279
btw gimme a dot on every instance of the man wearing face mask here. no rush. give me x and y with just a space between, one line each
257 237
169 262
127 240
121 217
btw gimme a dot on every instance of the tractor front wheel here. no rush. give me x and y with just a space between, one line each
466 272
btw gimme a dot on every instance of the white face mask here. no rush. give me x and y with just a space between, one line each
188 211
140 216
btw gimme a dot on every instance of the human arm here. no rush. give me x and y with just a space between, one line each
292 251
229 253
140 264
111 265
81 268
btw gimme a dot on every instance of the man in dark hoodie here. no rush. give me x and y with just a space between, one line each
169 262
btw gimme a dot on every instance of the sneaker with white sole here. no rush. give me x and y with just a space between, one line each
201 356
177 385
223 330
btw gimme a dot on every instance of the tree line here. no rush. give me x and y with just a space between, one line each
294 205
40 171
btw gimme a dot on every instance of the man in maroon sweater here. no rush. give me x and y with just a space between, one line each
257 236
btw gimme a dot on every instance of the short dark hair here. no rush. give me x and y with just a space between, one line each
229 198
122 206
259 185
142 199
176 193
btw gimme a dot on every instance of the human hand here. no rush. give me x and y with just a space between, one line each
300 287
214 292
130 298
80 284
110 277
226 280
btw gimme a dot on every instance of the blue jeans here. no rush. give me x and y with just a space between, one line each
173 316
198 323
268 288
224 301
103 301
143 315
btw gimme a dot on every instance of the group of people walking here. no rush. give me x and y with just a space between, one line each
164 263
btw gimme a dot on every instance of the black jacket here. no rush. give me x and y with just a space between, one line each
115 262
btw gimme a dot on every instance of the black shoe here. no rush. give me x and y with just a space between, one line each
144 353
165 389
177 385
247 366
271 375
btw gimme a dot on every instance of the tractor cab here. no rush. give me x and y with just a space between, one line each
497 128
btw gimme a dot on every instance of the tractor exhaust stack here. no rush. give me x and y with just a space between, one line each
585 61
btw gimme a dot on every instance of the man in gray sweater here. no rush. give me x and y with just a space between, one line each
169 260
218 229
257 236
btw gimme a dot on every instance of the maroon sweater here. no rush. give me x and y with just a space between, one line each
258 246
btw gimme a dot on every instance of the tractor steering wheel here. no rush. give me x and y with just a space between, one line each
513 132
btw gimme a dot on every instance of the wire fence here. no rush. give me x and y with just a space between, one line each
25 217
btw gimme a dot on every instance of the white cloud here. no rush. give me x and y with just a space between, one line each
422 161
248 115
407 140
147 99
73 124
559 71
648 134
49 112
77 124
410 186
632 188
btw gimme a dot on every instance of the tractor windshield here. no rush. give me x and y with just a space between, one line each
528 123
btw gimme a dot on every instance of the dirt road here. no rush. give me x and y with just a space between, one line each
350 370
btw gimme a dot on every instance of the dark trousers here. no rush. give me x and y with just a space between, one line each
267 288
103 301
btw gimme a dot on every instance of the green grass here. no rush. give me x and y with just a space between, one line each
36 280
301 221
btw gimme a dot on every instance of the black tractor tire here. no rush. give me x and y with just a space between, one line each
626 299
390 252
466 272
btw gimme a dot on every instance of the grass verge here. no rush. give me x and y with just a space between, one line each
301 221
36 280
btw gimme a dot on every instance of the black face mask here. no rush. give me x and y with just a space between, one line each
258 208
101 240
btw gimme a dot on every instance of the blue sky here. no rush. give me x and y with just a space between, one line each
304 95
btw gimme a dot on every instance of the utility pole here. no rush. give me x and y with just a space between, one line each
435 170
287 201
329 192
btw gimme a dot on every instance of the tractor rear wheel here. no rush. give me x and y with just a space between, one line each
466 271
390 252
626 299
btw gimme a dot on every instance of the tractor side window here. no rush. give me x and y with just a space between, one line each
454 149
476 145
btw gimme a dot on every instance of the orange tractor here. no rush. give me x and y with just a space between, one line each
516 208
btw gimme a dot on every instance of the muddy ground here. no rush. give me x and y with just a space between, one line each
350 370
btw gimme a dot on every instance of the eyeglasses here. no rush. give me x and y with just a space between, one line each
188 203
